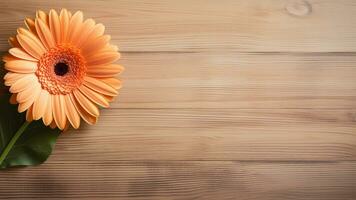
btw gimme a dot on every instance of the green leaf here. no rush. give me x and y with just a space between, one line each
35 144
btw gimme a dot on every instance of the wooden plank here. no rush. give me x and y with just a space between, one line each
229 99
238 80
214 134
181 180
209 25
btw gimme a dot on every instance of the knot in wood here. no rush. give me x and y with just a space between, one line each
299 7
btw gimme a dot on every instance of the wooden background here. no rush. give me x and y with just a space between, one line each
227 99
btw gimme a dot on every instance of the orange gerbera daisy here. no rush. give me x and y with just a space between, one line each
61 69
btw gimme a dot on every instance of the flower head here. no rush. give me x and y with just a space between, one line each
61 69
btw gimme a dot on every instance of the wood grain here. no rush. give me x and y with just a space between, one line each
207 25
215 134
238 80
182 180
229 99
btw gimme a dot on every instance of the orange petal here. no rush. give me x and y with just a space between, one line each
14 42
31 25
98 30
103 58
85 103
90 119
43 16
75 25
64 21
96 45
20 53
59 116
29 34
105 71
71 112
8 57
94 96
113 82
21 66
53 125
65 128
44 34
99 86
55 25
87 28
29 116
111 47
26 94
48 115
109 98
31 44
10 78
13 99
25 105
69 15
24 82
40 105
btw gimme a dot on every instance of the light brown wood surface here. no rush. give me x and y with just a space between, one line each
229 99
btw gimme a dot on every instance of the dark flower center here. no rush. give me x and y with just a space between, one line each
61 69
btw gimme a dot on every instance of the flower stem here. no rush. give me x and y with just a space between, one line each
13 141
